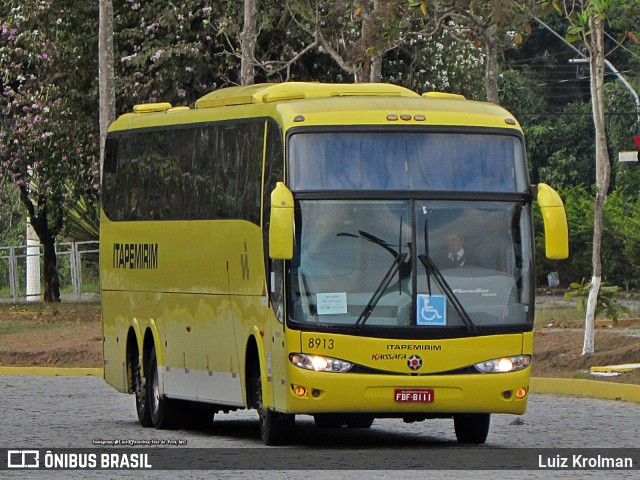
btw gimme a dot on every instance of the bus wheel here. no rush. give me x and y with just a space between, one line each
140 391
159 406
472 427
275 427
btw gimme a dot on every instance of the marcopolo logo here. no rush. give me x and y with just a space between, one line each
414 362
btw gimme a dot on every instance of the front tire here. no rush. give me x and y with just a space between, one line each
472 428
275 427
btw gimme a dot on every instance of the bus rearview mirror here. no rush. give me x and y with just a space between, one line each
556 232
281 223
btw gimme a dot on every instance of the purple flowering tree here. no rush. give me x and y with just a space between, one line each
167 52
47 144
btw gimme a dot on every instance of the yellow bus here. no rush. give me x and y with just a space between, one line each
288 248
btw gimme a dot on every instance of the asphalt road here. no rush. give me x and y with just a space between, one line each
84 412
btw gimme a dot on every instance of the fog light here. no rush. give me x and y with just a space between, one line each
300 391
521 392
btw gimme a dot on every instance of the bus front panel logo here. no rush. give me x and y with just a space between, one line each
414 362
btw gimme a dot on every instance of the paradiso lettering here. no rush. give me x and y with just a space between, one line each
135 256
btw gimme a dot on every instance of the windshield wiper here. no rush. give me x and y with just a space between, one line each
446 289
382 287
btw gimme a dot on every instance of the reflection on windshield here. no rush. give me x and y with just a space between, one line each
361 263
352 265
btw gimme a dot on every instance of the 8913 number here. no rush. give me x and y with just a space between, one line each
321 343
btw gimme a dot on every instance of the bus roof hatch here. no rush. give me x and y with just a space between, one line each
274 92
151 107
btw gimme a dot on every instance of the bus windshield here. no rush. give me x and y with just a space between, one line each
366 264
412 262
407 161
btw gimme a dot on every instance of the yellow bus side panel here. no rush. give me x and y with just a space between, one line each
202 339
210 257
183 296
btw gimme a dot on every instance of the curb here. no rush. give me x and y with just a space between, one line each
557 386
586 388
52 371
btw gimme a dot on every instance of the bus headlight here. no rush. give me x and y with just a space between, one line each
505 364
320 363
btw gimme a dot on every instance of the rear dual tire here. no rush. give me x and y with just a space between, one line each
161 409
140 388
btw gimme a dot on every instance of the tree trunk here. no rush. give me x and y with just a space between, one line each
51 277
248 43
372 62
106 75
491 66
603 171
47 235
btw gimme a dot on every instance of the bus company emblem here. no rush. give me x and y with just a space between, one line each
414 362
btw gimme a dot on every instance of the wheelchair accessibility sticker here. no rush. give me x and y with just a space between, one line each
432 310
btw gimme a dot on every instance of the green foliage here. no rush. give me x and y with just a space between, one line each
622 238
439 62
167 51
606 304
47 137
620 241
568 158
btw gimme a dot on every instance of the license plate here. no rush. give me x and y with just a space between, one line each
412 395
